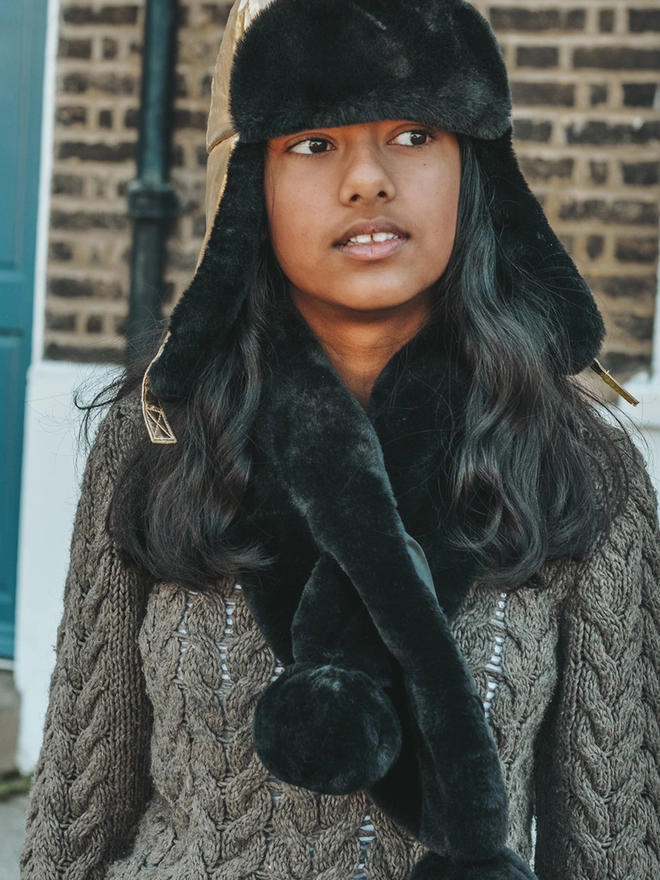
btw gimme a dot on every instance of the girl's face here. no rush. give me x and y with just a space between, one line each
363 217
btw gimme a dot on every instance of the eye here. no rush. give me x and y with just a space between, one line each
310 146
416 137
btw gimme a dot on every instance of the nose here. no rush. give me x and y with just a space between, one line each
365 176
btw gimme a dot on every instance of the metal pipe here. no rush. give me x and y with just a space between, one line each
151 200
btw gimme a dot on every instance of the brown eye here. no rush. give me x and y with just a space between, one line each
311 145
413 138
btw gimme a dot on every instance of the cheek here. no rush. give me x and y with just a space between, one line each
440 196
292 224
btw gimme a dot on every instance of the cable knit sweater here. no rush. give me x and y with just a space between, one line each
147 768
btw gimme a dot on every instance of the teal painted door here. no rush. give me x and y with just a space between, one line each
22 47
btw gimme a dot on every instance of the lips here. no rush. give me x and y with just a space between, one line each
370 227
358 243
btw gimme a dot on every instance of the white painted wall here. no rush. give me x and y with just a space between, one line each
53 462
52 468
646 388
646 417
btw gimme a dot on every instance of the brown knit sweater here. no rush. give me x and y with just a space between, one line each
147 768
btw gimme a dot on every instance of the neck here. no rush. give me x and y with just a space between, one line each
360 343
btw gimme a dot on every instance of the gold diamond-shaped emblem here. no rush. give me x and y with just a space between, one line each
158 427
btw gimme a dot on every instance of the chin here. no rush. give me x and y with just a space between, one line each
377 301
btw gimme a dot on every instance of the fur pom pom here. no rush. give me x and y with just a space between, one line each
327 729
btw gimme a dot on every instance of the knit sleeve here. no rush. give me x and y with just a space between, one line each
91 781
598 758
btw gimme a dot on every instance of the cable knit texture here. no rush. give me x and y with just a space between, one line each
147 768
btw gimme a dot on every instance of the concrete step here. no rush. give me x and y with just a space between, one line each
12 835
9 713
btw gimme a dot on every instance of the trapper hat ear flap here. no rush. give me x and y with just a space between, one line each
204 316
527 241
234 199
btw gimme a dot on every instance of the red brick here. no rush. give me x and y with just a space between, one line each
60 251
195 119
618 211
87 220
98 152
636 250
637 326
110 48
622 286
595 246
94 324
624 365
216 13
104 15
75 82
640 20
71 116
109 83
67 184
537 56
546 169
60 322
84 354
535 93
617 58
181 86
522 18
95 289
640 94
531 130
598 172
75 49
603 133
201 156
641 173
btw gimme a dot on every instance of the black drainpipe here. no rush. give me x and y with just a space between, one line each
151 200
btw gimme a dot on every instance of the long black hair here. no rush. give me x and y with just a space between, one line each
536 455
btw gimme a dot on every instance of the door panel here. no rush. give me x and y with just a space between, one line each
22 46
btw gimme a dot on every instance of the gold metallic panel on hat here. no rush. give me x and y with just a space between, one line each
220 134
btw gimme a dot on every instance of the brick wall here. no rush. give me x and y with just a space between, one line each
96 119
585 82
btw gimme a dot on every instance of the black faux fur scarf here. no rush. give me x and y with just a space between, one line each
376 694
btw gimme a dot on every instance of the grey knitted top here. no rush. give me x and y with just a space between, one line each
147 768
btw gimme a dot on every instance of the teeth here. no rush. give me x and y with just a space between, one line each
377 237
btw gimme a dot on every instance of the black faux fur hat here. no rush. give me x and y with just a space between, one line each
321 63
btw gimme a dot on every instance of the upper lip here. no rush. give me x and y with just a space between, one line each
369 227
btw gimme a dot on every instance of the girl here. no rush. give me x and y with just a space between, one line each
379 585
